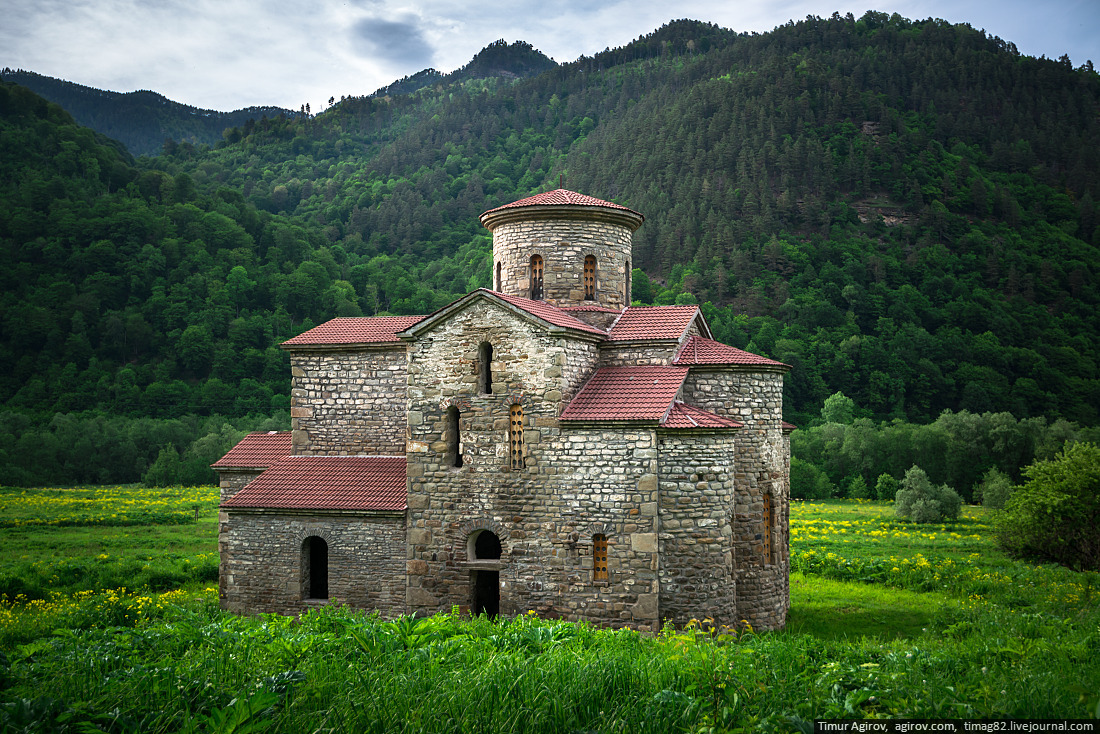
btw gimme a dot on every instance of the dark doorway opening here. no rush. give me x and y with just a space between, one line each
486 588
315 568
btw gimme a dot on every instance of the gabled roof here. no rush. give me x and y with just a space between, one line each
698 351
354 330
559 197
589 307
654 322
541 310
642 393
256 451
683 415
327 483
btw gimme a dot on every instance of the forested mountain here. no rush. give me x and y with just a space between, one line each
903 211
141 120
498 59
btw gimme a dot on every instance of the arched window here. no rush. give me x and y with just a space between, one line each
590 278
314 571
485 368
767 528
496 282
536 277
452 433
515 436
483 546
599 557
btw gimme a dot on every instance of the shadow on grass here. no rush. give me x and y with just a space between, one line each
837 610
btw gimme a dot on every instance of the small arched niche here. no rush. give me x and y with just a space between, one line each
536 277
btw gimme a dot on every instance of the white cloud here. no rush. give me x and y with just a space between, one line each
222 54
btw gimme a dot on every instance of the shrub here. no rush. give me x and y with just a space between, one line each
886 488
995 489
1056 513
919 501
858 489
808 482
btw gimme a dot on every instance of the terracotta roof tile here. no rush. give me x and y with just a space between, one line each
559 197
683 415
256 451
548 312
589 307
698 350
788 426
327 483
652 322
354 330
642 393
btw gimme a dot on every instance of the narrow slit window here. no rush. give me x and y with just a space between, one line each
599 557
515 437
452 432
485 368
590 278
536 277
627 284
767 528
496 285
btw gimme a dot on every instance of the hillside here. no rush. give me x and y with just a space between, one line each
904 211
140 120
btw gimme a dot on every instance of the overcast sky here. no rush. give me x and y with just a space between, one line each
225 54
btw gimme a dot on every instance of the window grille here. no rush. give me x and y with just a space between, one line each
590 278
515 436
599 557
767 528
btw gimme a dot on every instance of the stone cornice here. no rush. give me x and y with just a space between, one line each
622 217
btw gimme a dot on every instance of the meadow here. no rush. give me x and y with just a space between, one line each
888 619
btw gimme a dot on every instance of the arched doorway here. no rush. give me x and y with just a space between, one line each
314 568
484 545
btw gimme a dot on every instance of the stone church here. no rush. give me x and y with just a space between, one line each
542 446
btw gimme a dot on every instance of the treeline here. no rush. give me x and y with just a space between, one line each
957 449
904 211
89 448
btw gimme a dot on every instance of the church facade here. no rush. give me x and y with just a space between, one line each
541 446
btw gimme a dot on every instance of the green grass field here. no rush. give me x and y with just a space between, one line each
887 620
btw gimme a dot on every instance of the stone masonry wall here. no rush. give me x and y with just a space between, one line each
349 402
576 482
761 461
563 245
261 566
232 481
696 480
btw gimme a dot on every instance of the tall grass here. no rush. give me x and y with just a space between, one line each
174 662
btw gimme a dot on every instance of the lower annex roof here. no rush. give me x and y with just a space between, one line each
327 483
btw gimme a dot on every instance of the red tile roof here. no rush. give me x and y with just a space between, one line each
354 330
683 415
327 483
643 393
652 322
788 426
256 451
547 312
559 197
698 350
590 307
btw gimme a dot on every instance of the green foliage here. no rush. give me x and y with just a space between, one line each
1055 514
995 489
808 482
886 487
858 489
919 501
956 449
838 408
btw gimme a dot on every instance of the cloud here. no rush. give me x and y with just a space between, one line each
393 42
